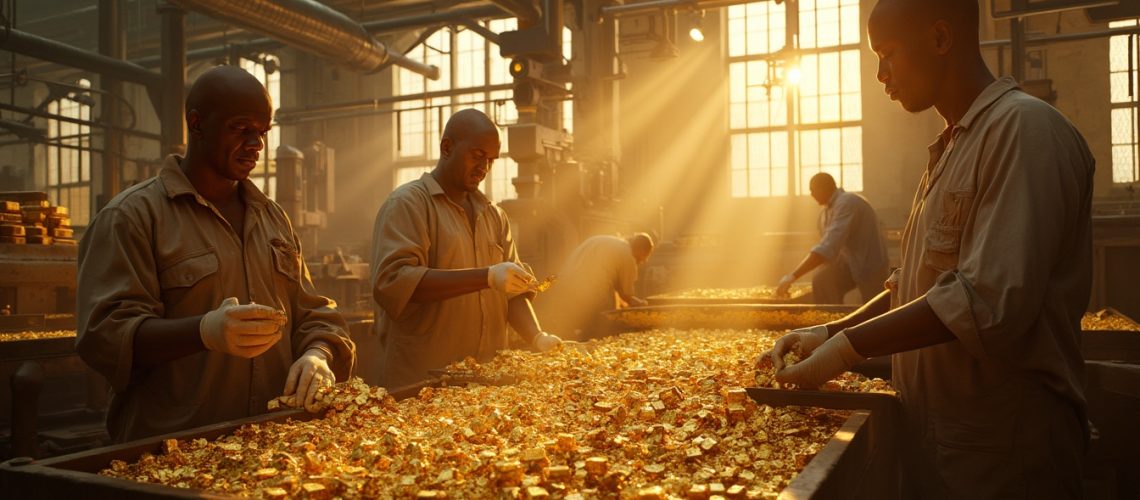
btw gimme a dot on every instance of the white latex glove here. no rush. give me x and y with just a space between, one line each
509 278
637 302
245 331
544 341
785 284
306 377
827 362
803 340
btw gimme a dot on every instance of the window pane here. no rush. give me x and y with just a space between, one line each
471 60
829 93
405 175
1123 163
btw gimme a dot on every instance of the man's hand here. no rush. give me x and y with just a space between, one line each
827 362
785 284
306 377
637 302
509 278
245 331
803 340
544 341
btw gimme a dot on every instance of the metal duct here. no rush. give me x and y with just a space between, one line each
312 27
524 10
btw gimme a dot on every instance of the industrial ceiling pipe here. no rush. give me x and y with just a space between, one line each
312 27
524 10
61 53
461 16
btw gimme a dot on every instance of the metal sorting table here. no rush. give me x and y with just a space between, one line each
50 400
857 462
1112 345
667 300
1113 394
729 316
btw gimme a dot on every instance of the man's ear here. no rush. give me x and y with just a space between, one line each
445 147
194 123
942 36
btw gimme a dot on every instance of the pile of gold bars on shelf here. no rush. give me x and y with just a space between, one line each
709 317
16 336
754 292
35 222
650 415
1108 319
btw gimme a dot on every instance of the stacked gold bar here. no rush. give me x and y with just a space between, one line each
47 225
11 223
33 220
648 415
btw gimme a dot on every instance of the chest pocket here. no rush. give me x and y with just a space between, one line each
944 236
286 259
189 270
495 253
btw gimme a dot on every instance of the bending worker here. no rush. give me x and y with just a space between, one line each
984 316
597 276
852 249
445 271
193 298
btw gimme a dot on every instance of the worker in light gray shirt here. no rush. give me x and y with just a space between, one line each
851 249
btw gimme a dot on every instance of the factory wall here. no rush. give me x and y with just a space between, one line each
365 146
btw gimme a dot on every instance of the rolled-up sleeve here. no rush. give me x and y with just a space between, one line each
1029 187
835 234
400 244
117 290
627 275
319 320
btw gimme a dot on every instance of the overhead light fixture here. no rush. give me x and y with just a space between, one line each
696 32
794 75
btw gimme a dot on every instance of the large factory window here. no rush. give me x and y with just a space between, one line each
1125 101
466 61
265 69
776 150
69 155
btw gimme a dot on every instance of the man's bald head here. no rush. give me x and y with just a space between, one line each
926 48
822 186
228 114
230 88
961 15
470 144
467 123
641 244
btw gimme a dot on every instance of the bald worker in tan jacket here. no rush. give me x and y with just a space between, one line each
445 271
193 298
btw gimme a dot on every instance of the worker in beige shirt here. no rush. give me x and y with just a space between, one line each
193 298
597 276
984 314
445 271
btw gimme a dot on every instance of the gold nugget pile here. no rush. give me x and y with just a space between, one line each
17 336
1108 320
755 292
649 415
743 317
